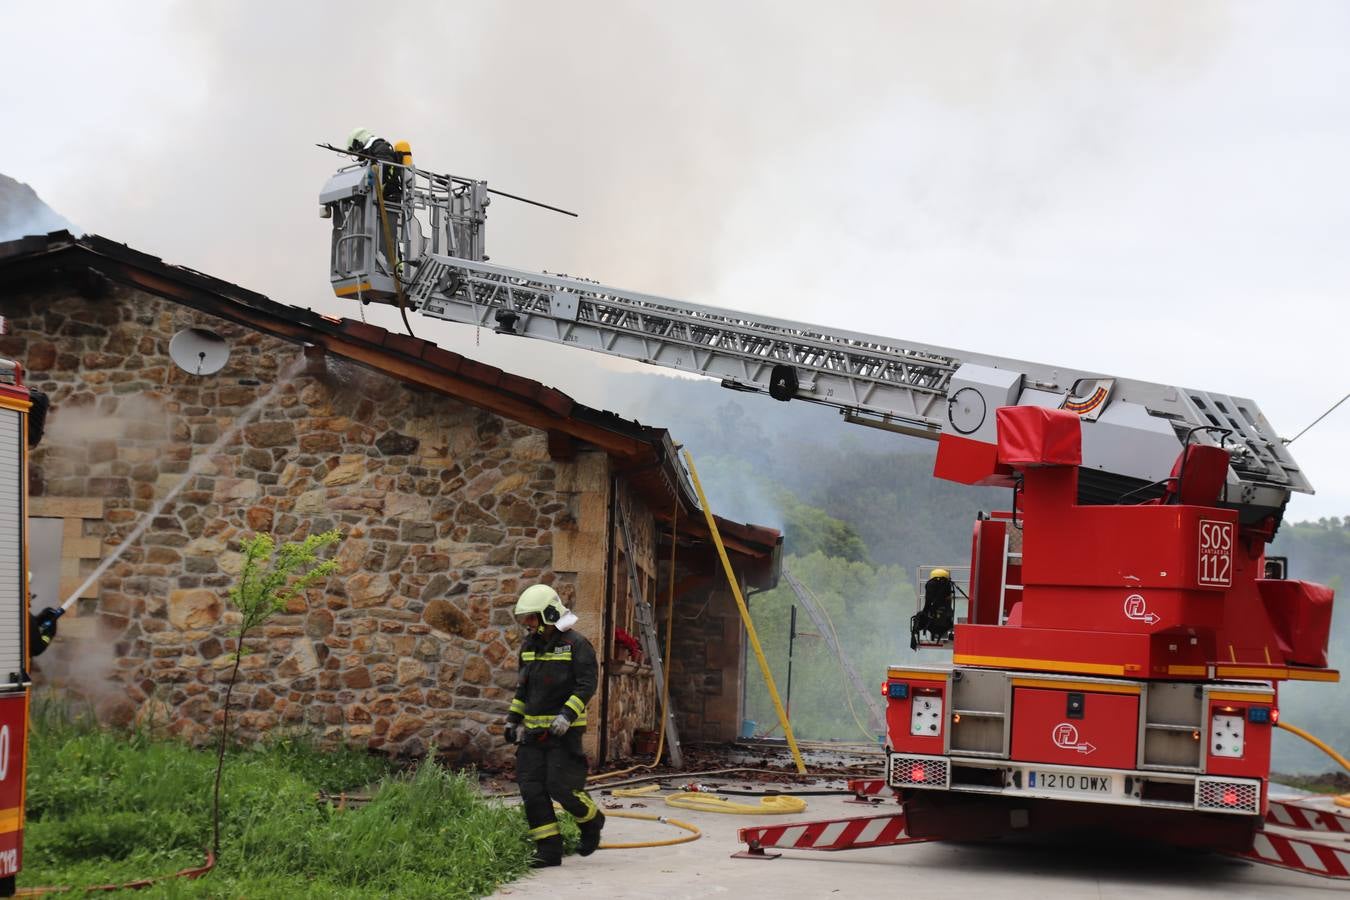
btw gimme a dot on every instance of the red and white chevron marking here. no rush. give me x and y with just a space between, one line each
867 787
1296 815
832 834
1327 860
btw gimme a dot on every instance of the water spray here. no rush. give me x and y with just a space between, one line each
194 468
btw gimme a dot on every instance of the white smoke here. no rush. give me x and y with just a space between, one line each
23 213
1119 187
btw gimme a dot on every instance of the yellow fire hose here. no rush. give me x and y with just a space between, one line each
745 616
390 252
774 804
693 835
643 791
1344 799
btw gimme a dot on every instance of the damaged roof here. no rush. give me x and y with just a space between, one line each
645 455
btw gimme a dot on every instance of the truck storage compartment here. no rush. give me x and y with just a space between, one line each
1075 726
1173 724
980 701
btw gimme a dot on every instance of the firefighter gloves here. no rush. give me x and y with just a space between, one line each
558 727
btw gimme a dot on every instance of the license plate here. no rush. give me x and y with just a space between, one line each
1079 783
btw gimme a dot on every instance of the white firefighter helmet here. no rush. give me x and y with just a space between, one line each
360 138
543 601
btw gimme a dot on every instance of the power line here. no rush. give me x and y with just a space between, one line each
1318 419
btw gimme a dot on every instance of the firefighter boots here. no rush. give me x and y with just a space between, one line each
590 834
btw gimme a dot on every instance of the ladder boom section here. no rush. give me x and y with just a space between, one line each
1134 429
417 240
856 372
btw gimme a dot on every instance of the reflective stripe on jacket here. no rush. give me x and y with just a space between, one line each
558 674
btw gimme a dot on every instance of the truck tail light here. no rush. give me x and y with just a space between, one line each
1228 795
904 770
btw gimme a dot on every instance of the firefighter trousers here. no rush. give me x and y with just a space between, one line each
552 768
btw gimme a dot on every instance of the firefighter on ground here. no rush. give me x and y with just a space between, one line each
41 625
558 675
42 630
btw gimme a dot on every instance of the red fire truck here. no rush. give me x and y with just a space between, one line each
15 405
1119 673
1125 636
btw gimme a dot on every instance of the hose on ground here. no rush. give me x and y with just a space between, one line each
772 805
772 793
693 835
668 776
767 806
1344 799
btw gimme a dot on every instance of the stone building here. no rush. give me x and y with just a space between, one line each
455 484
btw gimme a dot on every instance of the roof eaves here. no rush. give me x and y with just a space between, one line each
650 446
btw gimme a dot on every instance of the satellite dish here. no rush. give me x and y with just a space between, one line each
198 351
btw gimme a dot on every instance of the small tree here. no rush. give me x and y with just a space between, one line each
268 579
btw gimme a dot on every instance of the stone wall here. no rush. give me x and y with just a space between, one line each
708 665
447 512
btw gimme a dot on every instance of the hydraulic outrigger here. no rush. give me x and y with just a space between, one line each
1117 667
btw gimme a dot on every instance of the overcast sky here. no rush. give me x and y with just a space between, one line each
1155 190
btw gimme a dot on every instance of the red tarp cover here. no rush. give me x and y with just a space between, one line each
1301 614
1036 436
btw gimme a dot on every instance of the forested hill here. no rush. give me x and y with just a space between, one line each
1320 552
861 511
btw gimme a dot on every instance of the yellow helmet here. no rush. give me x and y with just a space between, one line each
940 573
543 601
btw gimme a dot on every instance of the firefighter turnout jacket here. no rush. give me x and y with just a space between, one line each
558 674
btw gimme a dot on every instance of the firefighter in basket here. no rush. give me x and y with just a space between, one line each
558 675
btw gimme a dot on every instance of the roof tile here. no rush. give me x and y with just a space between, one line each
405 344
443 359
362 332
555 401
481 372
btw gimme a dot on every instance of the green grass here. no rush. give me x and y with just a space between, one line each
109 807
1327 783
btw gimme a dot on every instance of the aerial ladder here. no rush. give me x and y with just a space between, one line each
1118 666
